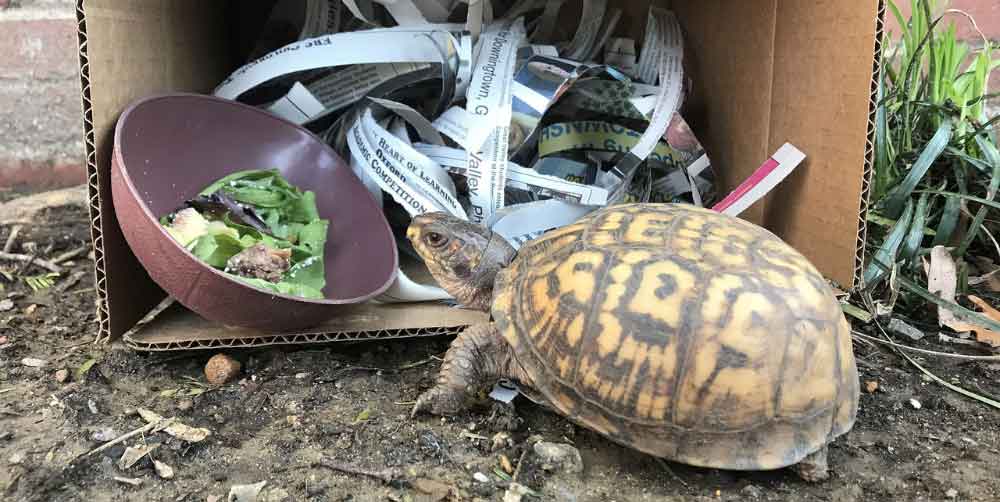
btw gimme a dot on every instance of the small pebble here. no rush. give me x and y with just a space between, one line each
92 406
301 376
221 369
915 404
481 477
163 470
32 362
555 456
6 304
515 493
951 493
185 404
62 375
17 458
104 435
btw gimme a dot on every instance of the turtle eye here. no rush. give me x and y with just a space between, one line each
435 240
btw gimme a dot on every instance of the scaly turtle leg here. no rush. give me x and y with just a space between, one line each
474 362
813 468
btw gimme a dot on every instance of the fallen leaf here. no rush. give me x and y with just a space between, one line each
134 454
163 470
169 393
991 338
942 280
82 370
363 416
176 429
871 386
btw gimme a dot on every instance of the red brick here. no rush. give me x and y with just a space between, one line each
37 175
44 48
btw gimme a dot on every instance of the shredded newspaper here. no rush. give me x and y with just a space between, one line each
491 111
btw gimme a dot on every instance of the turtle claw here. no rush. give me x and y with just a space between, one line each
437 401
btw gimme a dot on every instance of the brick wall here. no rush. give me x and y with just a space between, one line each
40 122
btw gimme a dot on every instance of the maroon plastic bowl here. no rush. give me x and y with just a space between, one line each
169 147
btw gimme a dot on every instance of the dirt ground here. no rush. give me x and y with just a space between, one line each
292 410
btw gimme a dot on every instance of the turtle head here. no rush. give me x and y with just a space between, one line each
463 257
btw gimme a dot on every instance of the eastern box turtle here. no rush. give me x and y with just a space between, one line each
674 330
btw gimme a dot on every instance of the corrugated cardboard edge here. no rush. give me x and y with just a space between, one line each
93 190
866 182
297 339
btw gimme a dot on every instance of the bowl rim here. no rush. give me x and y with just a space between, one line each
127 179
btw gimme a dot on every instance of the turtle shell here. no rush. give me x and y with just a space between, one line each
682 333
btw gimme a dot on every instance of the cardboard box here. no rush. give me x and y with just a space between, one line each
766 72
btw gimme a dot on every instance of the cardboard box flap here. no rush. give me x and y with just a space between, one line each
173 327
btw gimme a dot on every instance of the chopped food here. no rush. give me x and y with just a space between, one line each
258 228
261 262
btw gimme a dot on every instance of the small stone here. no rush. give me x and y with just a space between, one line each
92 406
212 498
481 477
185 404
951 493
62 375
343 442
752 491
6 304
436 490
294 421
898 326
277 495
501 440
301 376
104 435
221 369
163 470
32 362
871 386
915 404
558 456
515 492
17 458
245 493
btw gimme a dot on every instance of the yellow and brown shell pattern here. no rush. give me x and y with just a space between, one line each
682 333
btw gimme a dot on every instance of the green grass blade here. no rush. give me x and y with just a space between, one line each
894 202
993 157
916 235
886 254
949 221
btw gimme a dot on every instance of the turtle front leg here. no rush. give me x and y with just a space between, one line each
814 467
475 361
